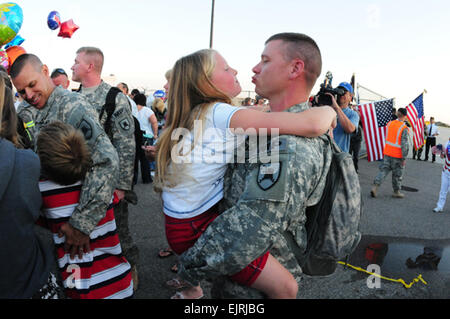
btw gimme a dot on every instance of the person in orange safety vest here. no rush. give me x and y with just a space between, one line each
395 151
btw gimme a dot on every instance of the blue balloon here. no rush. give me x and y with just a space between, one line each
18 40
159 94
54 20
11 18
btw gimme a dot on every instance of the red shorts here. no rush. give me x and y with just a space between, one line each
183 233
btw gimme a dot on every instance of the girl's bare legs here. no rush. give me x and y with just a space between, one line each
276 281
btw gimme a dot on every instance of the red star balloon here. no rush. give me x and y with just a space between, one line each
67 29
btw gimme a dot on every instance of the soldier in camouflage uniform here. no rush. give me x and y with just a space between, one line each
87 70
266 202
49 103
394 156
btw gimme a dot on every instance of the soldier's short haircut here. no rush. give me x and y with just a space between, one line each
64 154
21 61
96 55
303 47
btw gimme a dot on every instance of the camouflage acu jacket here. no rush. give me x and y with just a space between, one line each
27 114
261 207
122 131
405 143
98 186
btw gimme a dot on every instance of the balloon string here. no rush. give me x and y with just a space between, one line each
419 278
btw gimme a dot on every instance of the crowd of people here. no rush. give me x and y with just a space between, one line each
71 160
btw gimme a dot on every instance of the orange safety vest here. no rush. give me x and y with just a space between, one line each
393 147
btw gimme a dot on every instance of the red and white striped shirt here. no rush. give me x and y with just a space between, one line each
103 273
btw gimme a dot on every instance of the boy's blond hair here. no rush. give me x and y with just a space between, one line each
64 154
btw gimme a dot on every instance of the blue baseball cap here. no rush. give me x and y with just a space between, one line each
159 94
346 86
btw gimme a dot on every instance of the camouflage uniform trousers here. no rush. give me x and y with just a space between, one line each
391 164
129 248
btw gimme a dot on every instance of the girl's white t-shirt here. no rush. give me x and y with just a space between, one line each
143 117
200 184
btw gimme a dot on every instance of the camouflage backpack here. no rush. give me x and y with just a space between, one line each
333 223
109 107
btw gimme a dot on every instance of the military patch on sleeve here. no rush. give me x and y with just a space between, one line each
268 175
125 124
86 128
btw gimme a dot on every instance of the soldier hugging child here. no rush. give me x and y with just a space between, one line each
101 271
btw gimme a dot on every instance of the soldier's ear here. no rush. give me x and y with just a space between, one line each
45 70
297 68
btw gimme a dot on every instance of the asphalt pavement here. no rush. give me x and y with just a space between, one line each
405 226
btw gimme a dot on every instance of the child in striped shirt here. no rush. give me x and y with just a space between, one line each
102 273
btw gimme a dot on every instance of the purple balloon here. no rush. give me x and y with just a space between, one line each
54 20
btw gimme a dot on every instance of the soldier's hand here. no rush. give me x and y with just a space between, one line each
334 123
120 194
76 241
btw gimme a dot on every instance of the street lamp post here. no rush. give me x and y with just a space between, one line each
212 25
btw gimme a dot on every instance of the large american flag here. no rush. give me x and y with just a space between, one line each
374 117
416 119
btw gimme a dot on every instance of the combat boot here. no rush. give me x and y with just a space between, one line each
373 191
397 194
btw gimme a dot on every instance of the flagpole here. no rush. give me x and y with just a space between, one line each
212 25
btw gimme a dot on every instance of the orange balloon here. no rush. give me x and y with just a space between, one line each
13 53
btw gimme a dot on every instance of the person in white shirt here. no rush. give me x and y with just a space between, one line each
149 128
445 179
146 117
202 131
431 132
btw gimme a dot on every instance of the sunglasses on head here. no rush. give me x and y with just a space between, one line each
59 71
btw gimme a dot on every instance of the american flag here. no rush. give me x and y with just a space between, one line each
416 118
374 117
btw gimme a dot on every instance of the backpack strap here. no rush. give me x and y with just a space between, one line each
334 147
317 215
109 107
